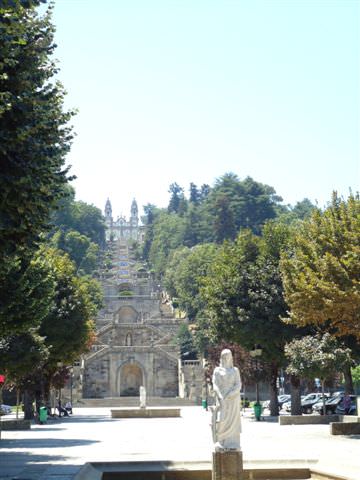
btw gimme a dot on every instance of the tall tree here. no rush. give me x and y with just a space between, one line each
240 204
244 297
34 132
68 327
26 294
185 273
317 356
148 219
177 199
168 234
79 216
80 249
322 271
194 194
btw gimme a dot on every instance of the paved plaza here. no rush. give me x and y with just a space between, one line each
57 451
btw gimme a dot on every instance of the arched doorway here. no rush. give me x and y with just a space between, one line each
131 378
127 314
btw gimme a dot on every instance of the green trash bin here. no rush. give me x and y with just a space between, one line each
204 403
43 414
257 411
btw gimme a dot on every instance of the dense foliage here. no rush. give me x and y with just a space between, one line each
47 305
34 131
210 215
321 272
225 255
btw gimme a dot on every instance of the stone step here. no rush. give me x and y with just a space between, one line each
134 402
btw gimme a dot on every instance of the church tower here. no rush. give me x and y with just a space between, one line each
108 213
134 218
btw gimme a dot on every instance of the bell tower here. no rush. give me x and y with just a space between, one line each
108 213
134 218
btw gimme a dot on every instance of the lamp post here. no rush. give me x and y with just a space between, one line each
71 384
255 353
59 365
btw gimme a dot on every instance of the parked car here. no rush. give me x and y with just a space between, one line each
352 411
287 405
330 404
5 409
281 400
310 400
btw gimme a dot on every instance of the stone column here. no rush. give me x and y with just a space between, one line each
227 465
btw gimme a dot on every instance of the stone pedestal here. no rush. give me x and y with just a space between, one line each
227 465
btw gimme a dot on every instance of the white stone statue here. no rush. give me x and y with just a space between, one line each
142 397
226 421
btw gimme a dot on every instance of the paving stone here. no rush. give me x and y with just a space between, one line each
57 452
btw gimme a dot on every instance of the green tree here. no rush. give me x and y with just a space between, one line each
194 194
244 297
176 259
355 372
22 358
148 219
79 216
177 199
184 275
237 204
322 271
26 294
186 343
303 209
224 222
80 249
34 132
316 356
168 234
68 327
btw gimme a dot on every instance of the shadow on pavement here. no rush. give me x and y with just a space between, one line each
22 458
80 419
43 443
27 466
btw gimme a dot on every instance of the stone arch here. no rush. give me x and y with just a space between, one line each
130 378
127 314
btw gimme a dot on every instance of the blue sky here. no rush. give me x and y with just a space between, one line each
184 91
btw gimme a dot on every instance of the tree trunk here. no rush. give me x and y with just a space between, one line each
38 401
349 387
323 395
17 402
28 406
274 404
295 395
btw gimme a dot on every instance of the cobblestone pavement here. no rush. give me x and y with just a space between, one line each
57 451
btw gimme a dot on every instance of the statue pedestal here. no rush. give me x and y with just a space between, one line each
227 465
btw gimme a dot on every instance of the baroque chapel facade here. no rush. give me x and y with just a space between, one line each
136 330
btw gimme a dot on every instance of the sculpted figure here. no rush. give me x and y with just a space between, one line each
226 422
142 397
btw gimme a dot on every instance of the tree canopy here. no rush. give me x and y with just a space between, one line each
321 272
34 130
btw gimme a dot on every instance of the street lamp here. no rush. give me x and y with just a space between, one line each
59 365
255 353
71 370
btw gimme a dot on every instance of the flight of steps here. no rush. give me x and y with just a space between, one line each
134 402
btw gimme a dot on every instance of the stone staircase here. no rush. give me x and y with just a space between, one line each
133 402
